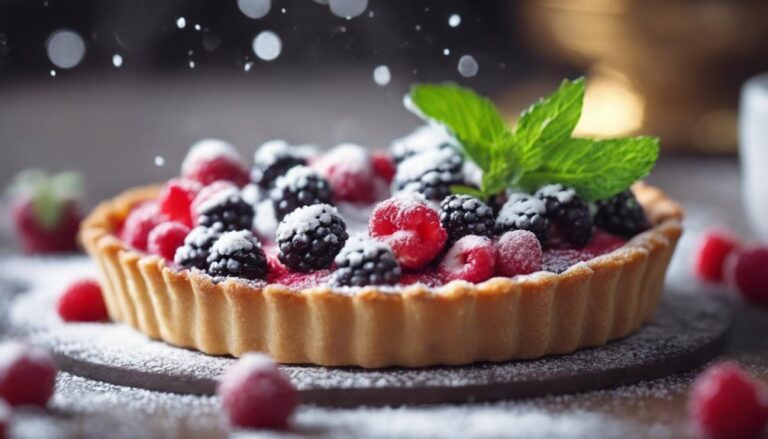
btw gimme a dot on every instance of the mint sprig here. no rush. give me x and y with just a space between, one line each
540 150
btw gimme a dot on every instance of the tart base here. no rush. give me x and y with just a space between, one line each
525 317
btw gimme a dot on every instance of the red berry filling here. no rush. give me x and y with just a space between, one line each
27 374
715 248
165 238
725 402
176 199
471 258
256 394
83 301
747 270
518 252
411 228
383 166
139 223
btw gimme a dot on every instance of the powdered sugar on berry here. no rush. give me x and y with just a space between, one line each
232 242
217 199
206 150
562 194
305 219
415 166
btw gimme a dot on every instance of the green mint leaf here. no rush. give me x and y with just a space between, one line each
467 190
596 169
475 122
545 125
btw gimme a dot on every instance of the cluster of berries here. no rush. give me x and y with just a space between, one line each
722 257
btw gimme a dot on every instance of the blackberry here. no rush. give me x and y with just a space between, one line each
569 212
430 173
228 208
366 262
272 160
463 215
425 138
197 245
300 186
310 237
523 212
622 214
237 254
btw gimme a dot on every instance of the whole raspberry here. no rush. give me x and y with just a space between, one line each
176 198
5 419
349 170
746 269
211 160
256 394
518 252
82 301
725 402
166 237
471 258
410 227
27 374
715 247
139 223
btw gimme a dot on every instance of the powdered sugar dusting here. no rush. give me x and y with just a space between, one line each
218 198
423 139
305 219
520 204
272 149
232 242
296 177
208 149
249 364
558 191
419 164
347 157
5 412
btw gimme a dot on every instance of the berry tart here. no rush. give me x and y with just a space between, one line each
467 241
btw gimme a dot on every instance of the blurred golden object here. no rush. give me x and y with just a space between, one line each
665 67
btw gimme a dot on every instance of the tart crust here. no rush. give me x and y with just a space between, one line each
524 317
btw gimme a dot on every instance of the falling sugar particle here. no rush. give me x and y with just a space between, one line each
190 52
197 27
267 45
117 60
282 10
159 161
454 20
446 52
53 73
417 27
348 8
191 64
65 49
254 8
181 22
468 66
248 65
370 14
382 75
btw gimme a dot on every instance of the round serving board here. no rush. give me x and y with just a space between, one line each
687 331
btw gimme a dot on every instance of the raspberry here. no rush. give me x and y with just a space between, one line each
139 223
5 419
27 374
472 258
746 270
237 254
621 214
725 402
211 160
166 238
197 245
518 252
273 159
83 301
349 170
176 198
256 394
568 212
300 186
431 173
366 262
463 215
523 212
310 237
383 166
716 245
411 229
227 208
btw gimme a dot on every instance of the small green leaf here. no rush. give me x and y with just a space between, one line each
467 190
474 121
596 169
545 125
